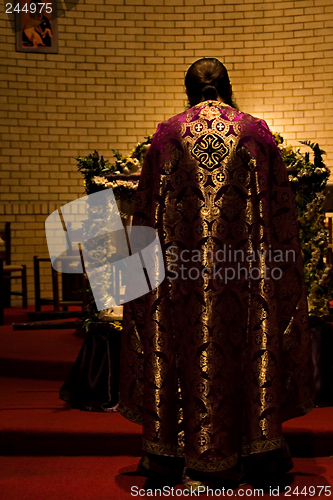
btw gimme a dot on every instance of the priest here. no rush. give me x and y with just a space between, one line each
218 355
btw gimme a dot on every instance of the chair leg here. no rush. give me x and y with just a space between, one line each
37 284
2 298
24 288
84 293
55 287
7 290
2 294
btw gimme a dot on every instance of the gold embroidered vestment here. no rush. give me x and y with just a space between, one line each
218 355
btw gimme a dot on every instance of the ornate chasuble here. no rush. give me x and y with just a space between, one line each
218 356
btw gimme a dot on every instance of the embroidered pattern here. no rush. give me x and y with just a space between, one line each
210 151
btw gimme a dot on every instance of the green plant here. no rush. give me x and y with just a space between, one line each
308 180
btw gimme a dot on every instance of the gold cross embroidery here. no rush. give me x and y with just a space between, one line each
210 150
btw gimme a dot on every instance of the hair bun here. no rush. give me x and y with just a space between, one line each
209 92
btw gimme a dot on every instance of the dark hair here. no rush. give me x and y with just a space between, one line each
207 78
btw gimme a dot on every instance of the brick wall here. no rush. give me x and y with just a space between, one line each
120 70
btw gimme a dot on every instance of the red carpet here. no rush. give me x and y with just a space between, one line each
39 354
44 354
51 451
34 421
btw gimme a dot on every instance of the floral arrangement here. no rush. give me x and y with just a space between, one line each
95 169
308 181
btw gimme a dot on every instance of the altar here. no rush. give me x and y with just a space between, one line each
93 383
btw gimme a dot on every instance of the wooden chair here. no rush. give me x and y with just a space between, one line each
72 284
73 288
10 272
73 294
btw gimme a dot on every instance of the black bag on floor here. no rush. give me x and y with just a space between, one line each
93 383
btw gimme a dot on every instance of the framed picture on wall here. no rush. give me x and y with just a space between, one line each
36 26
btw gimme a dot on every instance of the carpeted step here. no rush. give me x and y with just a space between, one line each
43 354
312 434
34 421
105 478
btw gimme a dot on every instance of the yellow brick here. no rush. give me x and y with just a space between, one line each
120 71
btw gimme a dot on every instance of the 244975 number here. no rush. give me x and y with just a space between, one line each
308 491
29 8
